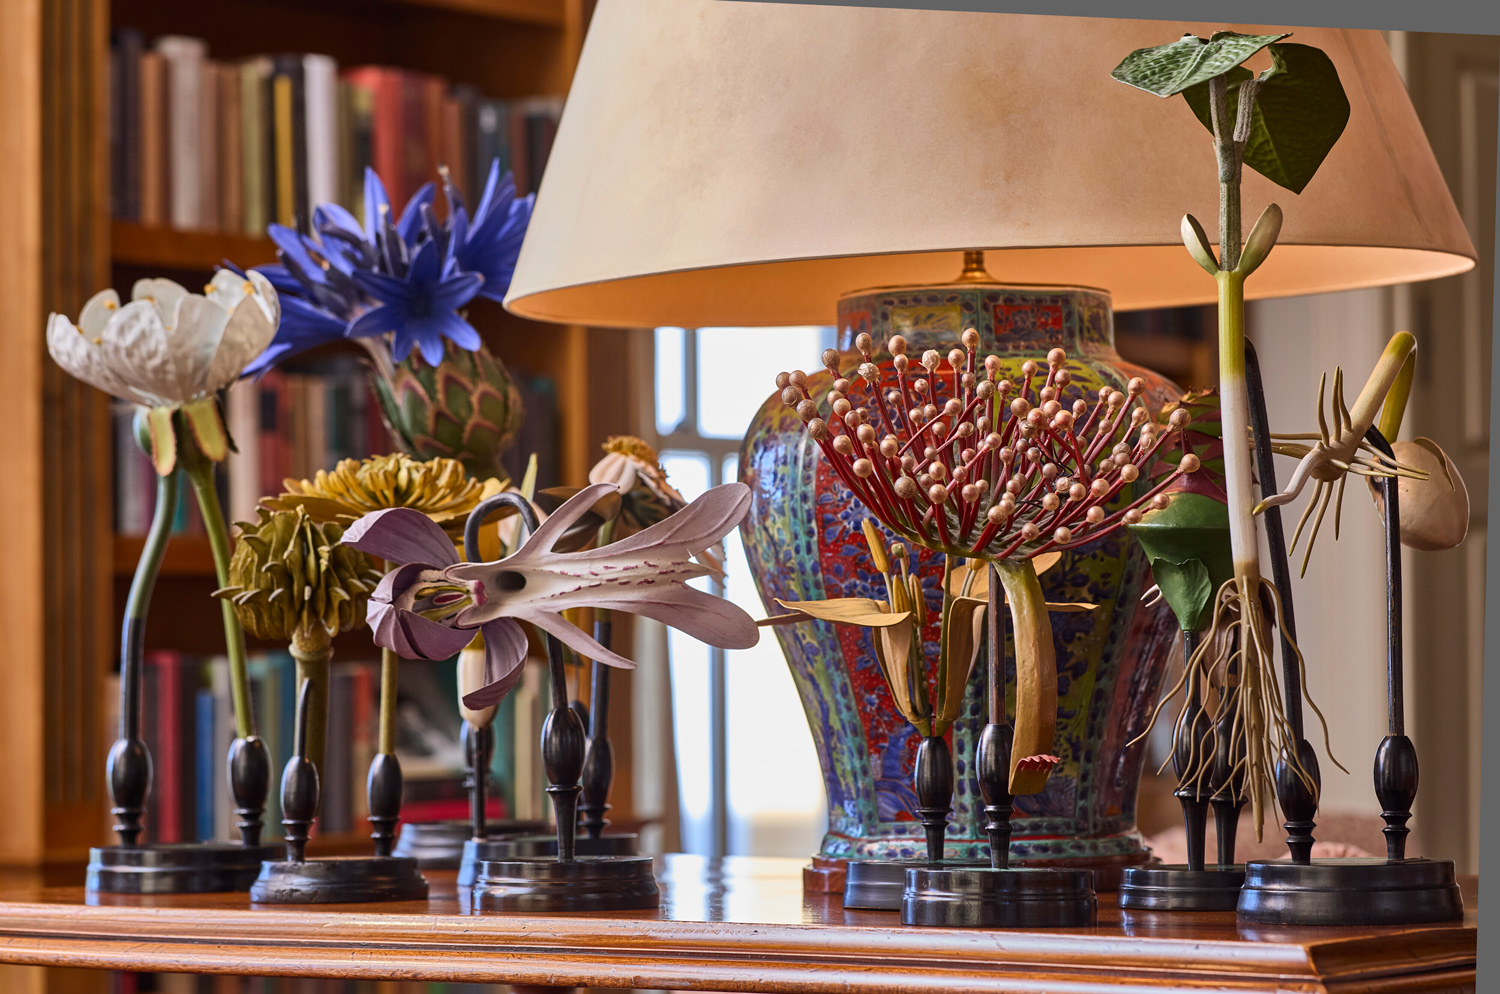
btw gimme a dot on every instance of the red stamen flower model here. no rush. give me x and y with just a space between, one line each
948 454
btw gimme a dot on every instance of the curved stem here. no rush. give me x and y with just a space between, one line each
142 584
1036 673
201 472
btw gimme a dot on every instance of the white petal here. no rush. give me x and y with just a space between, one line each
82 358
97 312
251 326
166 294
195 339
136 347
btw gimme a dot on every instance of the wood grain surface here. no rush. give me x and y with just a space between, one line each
737 924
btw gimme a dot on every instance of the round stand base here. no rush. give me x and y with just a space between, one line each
439 845
984 897
1350 891
339 880
536 846
1174 887
877 884
176 867
589 883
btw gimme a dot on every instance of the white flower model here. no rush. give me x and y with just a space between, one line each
170 350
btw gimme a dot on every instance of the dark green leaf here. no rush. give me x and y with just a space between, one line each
1192 529
1188 590
1188 61
1300 112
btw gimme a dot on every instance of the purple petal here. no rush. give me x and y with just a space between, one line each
575 639
401 535
428 639
504 662
562 519
694 612
696 527
394 583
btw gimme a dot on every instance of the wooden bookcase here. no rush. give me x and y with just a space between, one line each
67 573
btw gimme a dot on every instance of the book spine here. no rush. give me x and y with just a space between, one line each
185 58
208 141
152 138
286 161
206 757
254 131
224 826
242 417
320 86
231 150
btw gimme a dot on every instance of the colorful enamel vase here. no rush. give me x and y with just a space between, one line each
803 538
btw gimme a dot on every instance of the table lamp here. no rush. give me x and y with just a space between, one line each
763 164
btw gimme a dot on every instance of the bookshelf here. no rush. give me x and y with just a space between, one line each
66 568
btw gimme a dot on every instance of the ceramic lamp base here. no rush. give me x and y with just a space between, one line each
1350 891
984 897
1174 887
877 884
588 883
176 867
339 880
439 845
534 846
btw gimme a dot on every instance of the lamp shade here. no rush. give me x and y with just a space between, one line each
736 163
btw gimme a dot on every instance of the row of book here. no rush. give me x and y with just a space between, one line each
290 425
284 425
199 143
188 983
187 723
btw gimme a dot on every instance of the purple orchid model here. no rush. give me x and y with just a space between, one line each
395 286
431 604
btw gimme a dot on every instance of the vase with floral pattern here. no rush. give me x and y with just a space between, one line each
804 541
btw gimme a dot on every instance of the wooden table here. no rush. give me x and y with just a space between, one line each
737 924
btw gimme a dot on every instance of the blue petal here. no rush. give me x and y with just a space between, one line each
377 321
334 216
411 218
425 266
375 198
386 289
455 291
461 333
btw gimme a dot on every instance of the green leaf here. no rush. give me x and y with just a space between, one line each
1188 589
1191 529
1188 61
1299 114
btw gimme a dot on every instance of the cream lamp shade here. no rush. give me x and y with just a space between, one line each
736 163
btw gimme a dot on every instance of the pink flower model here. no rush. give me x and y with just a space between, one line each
431 604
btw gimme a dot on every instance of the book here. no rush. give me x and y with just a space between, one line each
387 132
151 139
209 195
255 145
184 88
321 98
357 111
231 149
289 141
125 123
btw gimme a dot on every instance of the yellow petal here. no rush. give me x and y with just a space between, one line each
849 611
893 652
963 635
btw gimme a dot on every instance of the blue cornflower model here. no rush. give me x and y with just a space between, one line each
394 285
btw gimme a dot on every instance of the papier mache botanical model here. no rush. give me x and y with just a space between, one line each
396 287
1282 123
432 604
171 353
950 455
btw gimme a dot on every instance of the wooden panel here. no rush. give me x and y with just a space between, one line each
457 39
725 925
192 251
22 595
76 426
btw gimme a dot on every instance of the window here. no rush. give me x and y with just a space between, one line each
748 777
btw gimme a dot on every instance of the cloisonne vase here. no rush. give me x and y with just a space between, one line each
803 539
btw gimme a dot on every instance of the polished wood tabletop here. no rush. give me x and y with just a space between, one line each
733 924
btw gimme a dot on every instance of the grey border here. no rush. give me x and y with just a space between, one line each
1456 16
